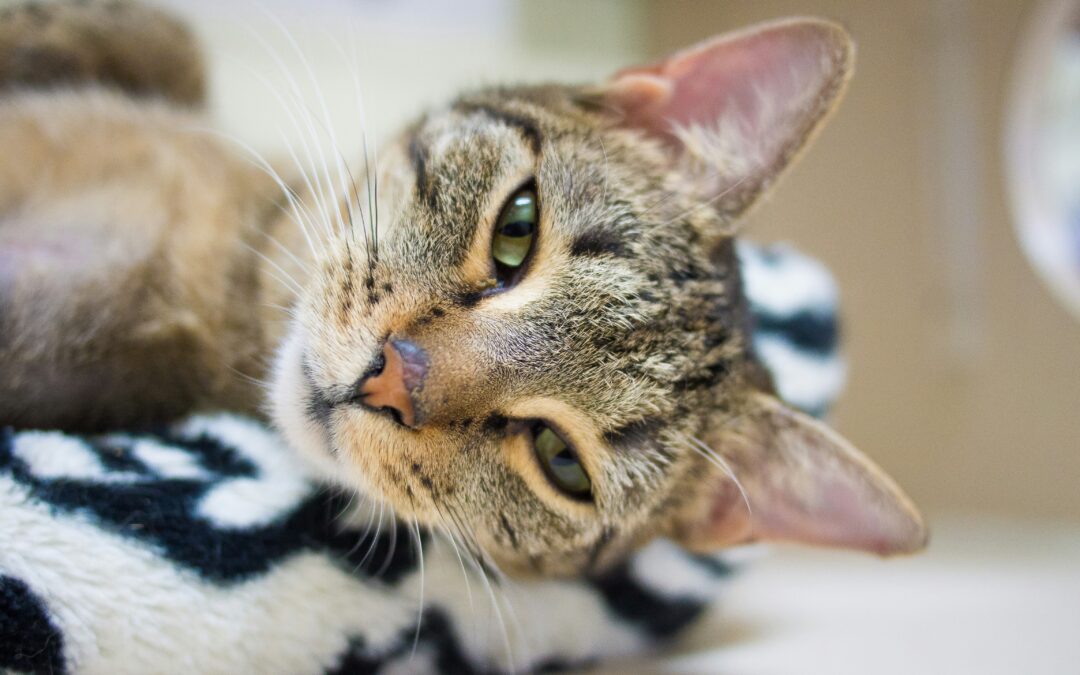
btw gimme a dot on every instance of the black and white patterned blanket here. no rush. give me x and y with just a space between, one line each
205 547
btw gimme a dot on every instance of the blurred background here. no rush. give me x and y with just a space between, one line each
945 197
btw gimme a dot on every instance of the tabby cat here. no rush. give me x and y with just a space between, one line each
525 322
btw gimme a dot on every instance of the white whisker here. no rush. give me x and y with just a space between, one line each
303 133
321 98
299 100
285 249
287 279
378 531
369 158
393 541
714 457
481 562
259 162
420 604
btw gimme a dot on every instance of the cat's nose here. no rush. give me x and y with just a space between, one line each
392 387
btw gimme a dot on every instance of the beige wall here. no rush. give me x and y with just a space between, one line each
965 378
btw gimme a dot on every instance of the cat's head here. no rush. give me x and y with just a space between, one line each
546 349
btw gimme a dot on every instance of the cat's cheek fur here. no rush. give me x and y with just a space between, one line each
288 396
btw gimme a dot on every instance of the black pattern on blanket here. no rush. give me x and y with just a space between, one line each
205 547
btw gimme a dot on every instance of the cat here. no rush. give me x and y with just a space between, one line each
524 323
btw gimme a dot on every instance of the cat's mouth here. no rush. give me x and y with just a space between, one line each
305 415
300 412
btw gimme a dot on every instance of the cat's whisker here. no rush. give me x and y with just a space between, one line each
420 604
327 121
350 57
371 180
284 249
325 204
353 494
503 587
393 525
351 197
286 105
485 566
290 285
448 529
348 511
286 278
461 563
375 538
300 215
709 202
257 160
320 195
370 521
314 190
264 361
482 568
290 311
247 377
369 158
474 554
351 509
296 100
714 457
700 205
348 188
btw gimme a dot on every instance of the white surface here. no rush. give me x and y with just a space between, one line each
988 598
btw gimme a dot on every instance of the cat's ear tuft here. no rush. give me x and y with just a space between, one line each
735 110
797 480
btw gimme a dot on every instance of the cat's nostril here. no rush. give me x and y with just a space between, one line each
393 379
376 368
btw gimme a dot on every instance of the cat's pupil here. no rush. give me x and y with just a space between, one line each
519 228
560 463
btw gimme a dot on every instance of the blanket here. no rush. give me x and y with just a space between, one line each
207 547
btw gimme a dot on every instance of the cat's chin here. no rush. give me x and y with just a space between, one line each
288 398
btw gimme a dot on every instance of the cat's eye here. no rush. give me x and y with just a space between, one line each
515 232
560 462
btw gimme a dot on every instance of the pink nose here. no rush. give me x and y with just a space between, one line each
404 368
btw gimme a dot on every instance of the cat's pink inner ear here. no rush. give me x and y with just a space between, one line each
799 481
741 103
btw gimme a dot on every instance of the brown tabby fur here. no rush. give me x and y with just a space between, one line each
137 282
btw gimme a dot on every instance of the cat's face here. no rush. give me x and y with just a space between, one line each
548 330
613 333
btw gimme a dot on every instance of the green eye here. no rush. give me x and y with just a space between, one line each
561 463
514 232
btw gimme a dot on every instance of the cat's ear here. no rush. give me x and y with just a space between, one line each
786 476
735 110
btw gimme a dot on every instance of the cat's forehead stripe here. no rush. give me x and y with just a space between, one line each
635 434
527 126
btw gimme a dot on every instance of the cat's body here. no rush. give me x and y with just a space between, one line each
130 291
148 268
